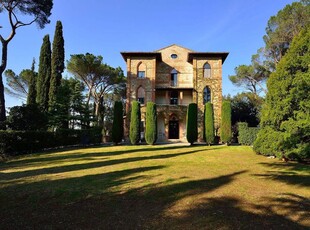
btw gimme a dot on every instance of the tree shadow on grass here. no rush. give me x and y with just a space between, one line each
148 207
291 175
41 157
6 177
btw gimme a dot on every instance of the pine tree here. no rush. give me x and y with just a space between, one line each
57 64
32 93
151 123
226 122
117 127
191 123
44 74
209 123
135 120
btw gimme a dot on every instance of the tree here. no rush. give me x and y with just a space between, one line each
283 27
58 65
44 74
209 123
151 123
32 92
226 122
40 10
117 127
100 79
135 120
285 121
251 77
18 84
191 123
26 117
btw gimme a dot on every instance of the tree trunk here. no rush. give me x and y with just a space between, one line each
2 100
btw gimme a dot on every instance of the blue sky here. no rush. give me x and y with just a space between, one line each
106 28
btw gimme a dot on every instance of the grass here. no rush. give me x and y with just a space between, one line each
153 187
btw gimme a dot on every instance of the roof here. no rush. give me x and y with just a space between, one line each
193 55
157 55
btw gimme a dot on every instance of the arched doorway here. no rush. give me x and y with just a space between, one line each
173 127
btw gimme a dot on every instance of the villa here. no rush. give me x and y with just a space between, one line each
173 77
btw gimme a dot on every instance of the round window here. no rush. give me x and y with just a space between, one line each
174 56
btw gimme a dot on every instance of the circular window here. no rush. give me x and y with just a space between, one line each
174 56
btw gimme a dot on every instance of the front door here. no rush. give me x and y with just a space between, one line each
173 129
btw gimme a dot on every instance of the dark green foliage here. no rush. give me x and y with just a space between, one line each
209 123
246 135
135 120
44 74
32 92
26 117
226 122
151 123
191 123
285 115
57 64
21 142
117 127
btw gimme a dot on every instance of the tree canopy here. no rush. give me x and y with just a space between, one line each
40 11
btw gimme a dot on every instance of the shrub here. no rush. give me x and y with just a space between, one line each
209 123
117 127
151 123
226 122
247 135
191 123
135 120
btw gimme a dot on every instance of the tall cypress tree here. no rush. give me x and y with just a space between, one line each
209 123
58 59
117 127
44 74
191 123
32 92
135 120
226 122
151 123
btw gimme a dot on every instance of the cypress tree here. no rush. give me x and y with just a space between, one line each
135 120
44 74
191 123
57 63
151 123
32 93
117 127
209 123
226 122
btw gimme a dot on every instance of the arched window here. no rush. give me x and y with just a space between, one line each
206 95
141 70
206 70
140 95
174 77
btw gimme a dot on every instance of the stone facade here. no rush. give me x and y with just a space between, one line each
173 77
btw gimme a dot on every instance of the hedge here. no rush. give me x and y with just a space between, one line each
209 123
23 142
226 134
135 120
246 135
151 123
117 127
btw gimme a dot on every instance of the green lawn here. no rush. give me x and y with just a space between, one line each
154 187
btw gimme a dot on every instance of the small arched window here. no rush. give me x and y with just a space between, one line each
140 95
207 70
174 77
141 70
206 95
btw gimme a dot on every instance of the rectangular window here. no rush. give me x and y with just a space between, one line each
141 100
174 79
141 74
173 97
